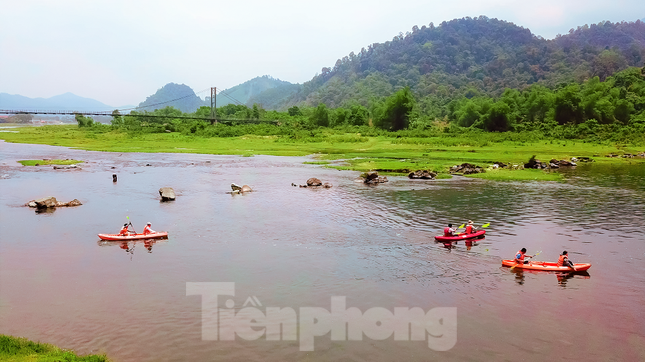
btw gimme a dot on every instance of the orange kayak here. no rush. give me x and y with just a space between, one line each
117 237
546 266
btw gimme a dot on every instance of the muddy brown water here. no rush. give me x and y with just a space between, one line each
292 247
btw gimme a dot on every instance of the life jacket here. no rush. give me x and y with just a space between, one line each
124 231
519 257
147 230
561 260
469 229
446 231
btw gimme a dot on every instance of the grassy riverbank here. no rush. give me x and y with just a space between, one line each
388 154
16 349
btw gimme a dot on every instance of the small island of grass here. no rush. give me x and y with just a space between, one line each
48 162
17 349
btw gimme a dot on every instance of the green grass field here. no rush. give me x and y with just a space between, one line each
16 349
345 151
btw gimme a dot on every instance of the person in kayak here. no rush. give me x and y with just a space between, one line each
563 260
124 231
470 229
519 257
148 230
449 231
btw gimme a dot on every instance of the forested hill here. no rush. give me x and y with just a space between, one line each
248 92
185 98
471 56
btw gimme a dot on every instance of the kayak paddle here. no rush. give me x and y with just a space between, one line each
130 223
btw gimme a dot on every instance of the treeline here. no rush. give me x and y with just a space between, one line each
481 53
613 109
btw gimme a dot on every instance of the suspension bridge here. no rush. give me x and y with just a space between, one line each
212 118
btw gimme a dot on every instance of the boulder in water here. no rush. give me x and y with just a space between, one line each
314 182
372 178
422 174
74 202
46 202
167 193
51 202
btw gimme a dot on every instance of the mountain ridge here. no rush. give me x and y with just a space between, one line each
63 102
249 92
475 54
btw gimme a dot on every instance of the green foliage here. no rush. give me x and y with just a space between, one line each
475 57
294 111
394 113
612 110
320 116
117 119
21 349
83 121
48 162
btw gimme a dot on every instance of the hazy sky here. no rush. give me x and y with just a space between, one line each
120 52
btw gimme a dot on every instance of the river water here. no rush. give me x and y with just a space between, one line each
291 247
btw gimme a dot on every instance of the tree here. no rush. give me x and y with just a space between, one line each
117 119
83 121
256 112
608 62
567 105
358 116
294 111
320 116
496 120
395 113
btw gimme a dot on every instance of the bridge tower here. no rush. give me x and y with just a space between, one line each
213 104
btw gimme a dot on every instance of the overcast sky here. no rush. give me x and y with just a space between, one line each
120 52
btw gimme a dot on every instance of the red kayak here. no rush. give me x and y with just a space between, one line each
117 237
445 239
546 266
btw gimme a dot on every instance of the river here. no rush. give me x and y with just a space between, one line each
292 247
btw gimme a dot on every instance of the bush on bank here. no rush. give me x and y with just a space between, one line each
19 349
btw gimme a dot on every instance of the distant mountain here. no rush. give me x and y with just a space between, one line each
275 98
264 90
179 96
63 102
474 56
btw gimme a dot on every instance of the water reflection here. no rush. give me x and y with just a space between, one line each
129 245
453 245
561 278
45 210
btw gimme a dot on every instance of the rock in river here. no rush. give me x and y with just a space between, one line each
51 202
167 193
422 174
314 182
45 202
